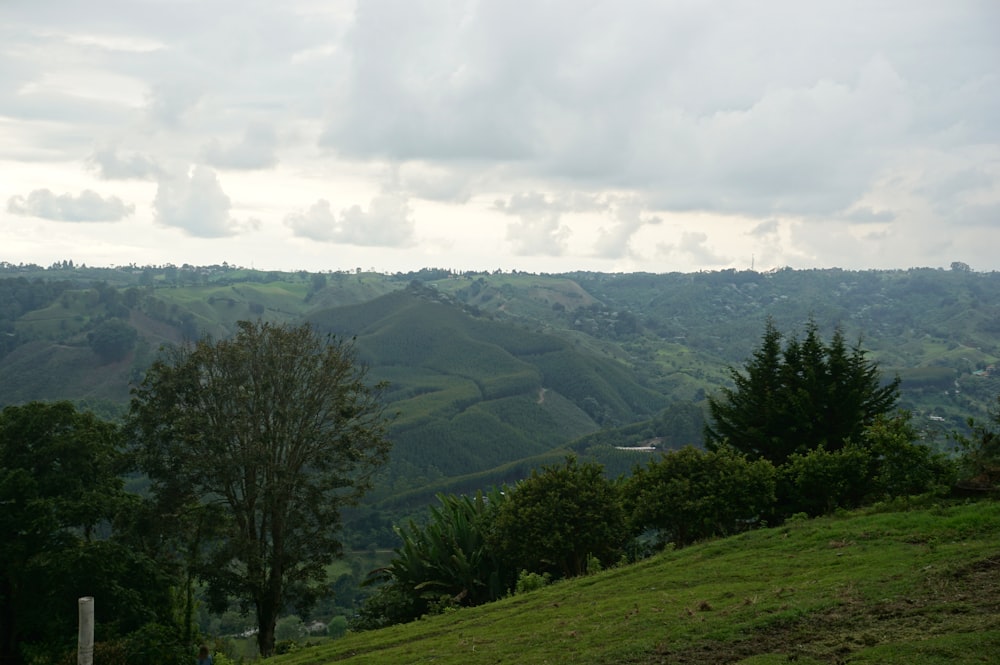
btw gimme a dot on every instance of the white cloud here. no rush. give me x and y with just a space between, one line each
539 229
88 206
111 165
866 123
387 222
255 151
694 247
195 203
629 218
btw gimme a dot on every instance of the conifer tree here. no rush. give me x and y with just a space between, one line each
799 398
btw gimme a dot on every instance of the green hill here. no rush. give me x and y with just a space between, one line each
487 369
920 586
474 393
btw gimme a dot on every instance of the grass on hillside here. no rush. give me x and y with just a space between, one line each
919 586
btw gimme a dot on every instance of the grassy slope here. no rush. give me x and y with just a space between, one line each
896 587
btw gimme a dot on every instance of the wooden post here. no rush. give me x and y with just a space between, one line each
85 640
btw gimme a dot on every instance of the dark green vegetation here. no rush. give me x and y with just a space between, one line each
253 446
793 399
496 376
882 586
64 514
610 351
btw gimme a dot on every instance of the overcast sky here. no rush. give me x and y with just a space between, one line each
545 136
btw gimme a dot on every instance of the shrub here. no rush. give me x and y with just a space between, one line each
528 582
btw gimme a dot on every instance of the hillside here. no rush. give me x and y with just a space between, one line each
489 371
473 393
920 586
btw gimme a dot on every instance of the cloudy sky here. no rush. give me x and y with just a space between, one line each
542 135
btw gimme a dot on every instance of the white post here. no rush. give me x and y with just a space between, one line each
85 641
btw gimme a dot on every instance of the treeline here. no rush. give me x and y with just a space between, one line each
571 519
808 428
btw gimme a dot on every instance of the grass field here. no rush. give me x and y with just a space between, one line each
920 586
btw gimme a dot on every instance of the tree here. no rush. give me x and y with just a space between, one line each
793 400
112 340
690 494
555 521
60 484
280 427
980 459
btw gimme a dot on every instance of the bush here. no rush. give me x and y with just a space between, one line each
820 481
690 494
289 628
555 520
337 627
528 582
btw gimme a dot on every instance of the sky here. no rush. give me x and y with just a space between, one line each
545 135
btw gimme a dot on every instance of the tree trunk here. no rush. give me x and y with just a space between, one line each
267 618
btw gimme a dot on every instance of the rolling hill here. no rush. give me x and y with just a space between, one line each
493 372
882 586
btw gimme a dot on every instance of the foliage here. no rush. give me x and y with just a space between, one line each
980 462
112 340
901 465
690 494
60 486
910 586
796 399
819 481
337 627
450 555
289 627
528 582
885 463
278 425
449 558
555 519
389 605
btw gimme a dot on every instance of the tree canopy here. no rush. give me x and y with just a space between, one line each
690 494
799 397
279 426
557 519
60 484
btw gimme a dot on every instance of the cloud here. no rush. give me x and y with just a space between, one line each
437 182
387 222
88 206
255 151
764 230
694 246
613 242
770 120
539 230
868 215
195 203
110 165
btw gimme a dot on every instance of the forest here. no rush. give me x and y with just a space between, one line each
536 382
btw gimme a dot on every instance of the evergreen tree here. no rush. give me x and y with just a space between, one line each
799 398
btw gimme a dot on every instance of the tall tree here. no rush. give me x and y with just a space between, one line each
799 398
278 425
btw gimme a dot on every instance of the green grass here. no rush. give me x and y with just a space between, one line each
893 587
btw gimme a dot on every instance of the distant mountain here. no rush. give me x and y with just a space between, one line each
491 373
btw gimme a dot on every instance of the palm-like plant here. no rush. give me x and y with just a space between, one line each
448 559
